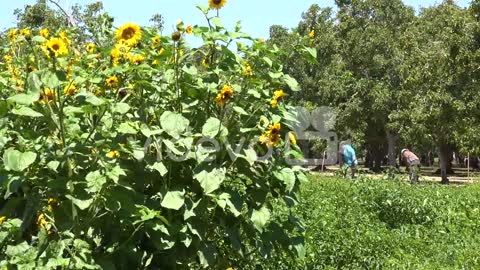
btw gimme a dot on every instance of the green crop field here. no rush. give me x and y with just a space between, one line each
378 224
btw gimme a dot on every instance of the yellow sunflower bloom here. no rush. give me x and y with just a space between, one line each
55 47
224 96
70 89
25 32
90 48
216 4
41 221
112 81
47 95
3 219
277 96
312 34
293 139
156 40
248 70
136 59
189 29
7 58
64 37
113 154
44 33
130 33
272 136
12 35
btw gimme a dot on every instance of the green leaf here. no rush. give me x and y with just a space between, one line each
173 123
210 181
240 110
206 255
192 70
81 204
291 82
211 127
260 218
50 79
127 128
217 21
53 165
174 200
39 39
202 8
25 99
275 75
26 111
95 181
268 61
94 100
149 132
311 54
115 173
121 108
159 167
15 160
34 83
287 176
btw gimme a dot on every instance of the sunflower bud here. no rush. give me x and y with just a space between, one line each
176 36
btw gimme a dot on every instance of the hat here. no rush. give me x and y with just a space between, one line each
403 150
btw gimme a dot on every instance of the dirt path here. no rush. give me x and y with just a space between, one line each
427 175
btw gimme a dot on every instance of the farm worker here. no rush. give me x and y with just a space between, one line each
412 163
347 157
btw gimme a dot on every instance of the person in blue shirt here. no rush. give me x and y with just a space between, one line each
348 157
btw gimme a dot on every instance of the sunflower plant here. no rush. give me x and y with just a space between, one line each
136 151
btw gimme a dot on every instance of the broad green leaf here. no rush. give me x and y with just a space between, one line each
311 54
287 176
203 8
268 61
206 255
174 200
26 111
173 123
127 128
95 181
149 132
275 75
50 80
210 181
94 100
240 110
260 218
192 70
81 204
15 160
291 82
53 165
38 39
34 83
159 167
115 173
211 127
217 21
121 108
25 99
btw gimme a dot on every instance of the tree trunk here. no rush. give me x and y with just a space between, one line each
392 142
443 153
377 158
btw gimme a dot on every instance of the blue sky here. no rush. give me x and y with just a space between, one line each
256 15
